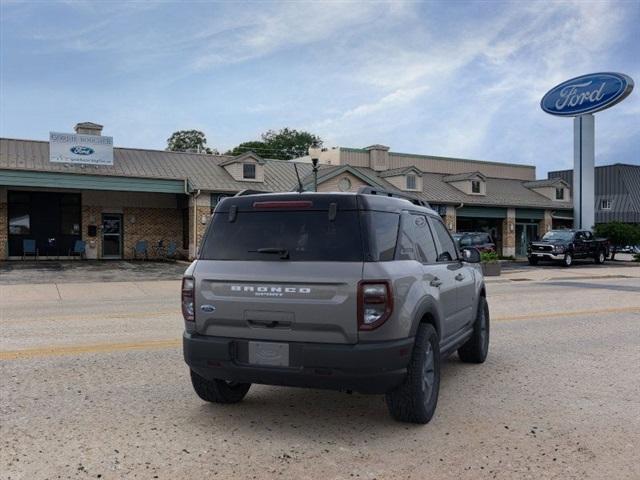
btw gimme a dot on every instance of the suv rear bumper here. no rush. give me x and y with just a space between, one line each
366 367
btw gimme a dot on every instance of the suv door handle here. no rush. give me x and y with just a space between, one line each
459 277
436 282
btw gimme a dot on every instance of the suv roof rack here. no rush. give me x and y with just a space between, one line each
386 193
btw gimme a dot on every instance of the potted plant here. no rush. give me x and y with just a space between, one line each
490 264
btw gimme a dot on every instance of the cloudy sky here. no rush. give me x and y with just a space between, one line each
451 78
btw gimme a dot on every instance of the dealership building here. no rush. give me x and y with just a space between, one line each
113 198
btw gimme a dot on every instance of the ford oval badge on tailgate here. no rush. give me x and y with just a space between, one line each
208 308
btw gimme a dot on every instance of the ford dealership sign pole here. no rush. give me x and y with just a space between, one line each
580 97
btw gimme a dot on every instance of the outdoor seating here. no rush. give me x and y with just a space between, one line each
159 249
29 248
79 248
172 249
141 249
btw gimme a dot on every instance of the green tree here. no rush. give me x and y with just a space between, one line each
188 141
283 144
619 234
257 147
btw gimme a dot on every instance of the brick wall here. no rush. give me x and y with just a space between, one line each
152 225
545 224
450 218
92 216
201 212
509 233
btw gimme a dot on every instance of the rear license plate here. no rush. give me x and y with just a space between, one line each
269 353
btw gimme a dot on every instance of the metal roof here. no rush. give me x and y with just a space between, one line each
201 170
618 183
205 172
547 182
463 176
400 171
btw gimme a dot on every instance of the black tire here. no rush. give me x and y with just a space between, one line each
600 257
533 261
415 400
476 349
218 391
567 261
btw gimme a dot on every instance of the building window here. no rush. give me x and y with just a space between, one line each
19 213
605 204
411 182
475 186
559 193
249 170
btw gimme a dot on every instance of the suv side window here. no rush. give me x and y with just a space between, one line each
424 240
416 242
478 240
446 249
466 241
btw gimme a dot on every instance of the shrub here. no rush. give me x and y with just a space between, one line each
488 257
619 234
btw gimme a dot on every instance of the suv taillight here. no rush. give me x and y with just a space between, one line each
188 288
375 303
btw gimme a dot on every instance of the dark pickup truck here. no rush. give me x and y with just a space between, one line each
564 246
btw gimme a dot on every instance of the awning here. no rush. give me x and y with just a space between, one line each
482 212
30 178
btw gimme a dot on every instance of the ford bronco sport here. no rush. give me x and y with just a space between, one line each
349 291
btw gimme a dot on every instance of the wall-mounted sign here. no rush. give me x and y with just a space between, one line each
587 94
75 148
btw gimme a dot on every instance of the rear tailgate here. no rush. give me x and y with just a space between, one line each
278 300
283 267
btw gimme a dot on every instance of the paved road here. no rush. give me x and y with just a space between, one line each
94 387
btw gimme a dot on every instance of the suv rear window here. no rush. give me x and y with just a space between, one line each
304 235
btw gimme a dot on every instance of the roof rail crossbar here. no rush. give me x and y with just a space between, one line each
378 191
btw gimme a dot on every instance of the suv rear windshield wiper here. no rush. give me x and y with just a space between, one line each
283 252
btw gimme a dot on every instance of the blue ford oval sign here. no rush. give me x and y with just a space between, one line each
79 150
587 94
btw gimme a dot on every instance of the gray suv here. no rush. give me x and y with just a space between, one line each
348 291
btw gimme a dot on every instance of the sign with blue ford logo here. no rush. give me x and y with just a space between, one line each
80 149
587 94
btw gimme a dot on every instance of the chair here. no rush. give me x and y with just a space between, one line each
172 249
160 249
79 248
142 249
29 248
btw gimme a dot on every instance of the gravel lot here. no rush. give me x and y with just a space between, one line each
94 386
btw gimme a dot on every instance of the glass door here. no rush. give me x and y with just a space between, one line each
525 233
112 235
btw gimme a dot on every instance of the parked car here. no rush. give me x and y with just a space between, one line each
480 240
628 249
566 245
351 291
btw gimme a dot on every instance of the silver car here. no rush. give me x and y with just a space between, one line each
349 291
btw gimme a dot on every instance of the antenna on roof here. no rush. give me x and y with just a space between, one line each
300 187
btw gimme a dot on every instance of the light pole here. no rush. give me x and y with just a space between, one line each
314 162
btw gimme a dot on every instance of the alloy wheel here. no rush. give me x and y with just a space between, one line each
429 372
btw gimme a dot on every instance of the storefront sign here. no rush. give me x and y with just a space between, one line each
80 149
580 97
587 94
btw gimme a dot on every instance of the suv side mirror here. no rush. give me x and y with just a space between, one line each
470 255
